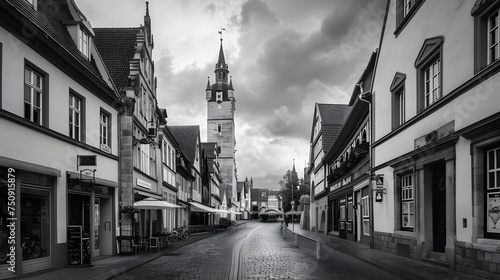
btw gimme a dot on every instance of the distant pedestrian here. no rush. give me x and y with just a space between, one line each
286 221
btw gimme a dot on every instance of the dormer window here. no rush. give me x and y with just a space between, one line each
83 42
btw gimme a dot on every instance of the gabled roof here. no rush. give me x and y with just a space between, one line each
333 117
187 136
117 47
50 18
208 149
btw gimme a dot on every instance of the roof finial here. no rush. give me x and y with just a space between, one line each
220 32
147 8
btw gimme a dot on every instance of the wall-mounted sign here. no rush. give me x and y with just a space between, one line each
87 160
379 194
379 181
143 184
105 148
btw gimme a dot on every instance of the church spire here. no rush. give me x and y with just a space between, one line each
147 23
221 68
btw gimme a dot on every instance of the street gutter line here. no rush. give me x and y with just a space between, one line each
236 269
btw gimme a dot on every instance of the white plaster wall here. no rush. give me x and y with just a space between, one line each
463 190
14 55
450 19
383 218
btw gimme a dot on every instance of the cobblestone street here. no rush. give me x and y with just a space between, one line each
254 251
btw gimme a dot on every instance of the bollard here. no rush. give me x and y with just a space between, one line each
296 240
318 247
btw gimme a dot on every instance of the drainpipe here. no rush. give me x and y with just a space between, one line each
362 96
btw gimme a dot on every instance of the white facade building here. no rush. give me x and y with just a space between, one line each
436 136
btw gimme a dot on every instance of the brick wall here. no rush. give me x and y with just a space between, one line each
480 262
396 243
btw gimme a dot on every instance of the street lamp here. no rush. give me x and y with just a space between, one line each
293 213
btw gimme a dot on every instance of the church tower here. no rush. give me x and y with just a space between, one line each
220 125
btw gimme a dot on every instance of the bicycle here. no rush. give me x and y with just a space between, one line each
31 249
211 229
171 237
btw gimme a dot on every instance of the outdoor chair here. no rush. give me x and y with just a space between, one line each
136 247
154 243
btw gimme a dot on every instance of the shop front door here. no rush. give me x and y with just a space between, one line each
439 206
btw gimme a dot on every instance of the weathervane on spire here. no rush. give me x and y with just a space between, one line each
220 32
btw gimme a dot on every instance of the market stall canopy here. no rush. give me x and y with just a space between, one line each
151 203
198 207
272 212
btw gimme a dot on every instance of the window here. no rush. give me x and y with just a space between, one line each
405 10
486 33
104 132
219 128
398 100
406 7
493 37
493 191
432 90
429 73
219 97
33 95
407 202
75 117
83 41
145 158
365 212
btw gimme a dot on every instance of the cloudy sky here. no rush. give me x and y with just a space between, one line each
283 55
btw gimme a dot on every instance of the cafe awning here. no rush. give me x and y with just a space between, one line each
151 203
198 207
234 212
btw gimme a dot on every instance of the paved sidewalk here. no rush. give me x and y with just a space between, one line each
107 267
400 266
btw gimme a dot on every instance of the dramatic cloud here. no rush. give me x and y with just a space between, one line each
283 55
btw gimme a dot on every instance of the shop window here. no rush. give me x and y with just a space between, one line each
35 221
407 202
492 193
365 212
342 214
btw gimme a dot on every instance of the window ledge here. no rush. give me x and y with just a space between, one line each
484 244
405 234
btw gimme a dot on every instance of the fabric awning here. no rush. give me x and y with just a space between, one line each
198 207
232 211
23 165
293 213
151 203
